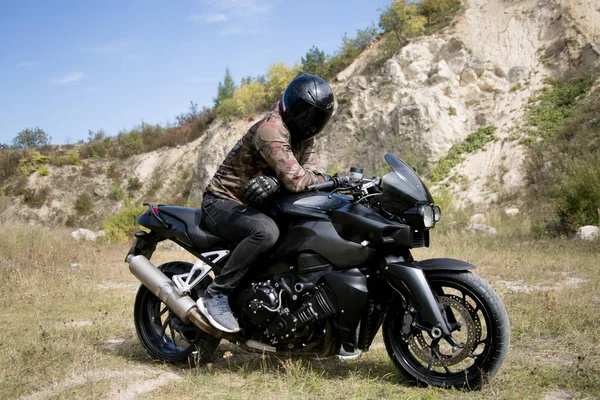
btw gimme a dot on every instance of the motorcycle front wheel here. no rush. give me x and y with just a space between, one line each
479 324
163 335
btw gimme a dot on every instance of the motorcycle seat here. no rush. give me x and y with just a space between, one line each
192 217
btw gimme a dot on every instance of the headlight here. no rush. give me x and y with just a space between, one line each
437 213
428 216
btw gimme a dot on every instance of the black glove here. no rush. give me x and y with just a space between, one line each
340 180
260 188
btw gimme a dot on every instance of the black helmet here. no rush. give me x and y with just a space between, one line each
306 106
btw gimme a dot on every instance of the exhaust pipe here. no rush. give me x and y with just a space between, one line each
158 283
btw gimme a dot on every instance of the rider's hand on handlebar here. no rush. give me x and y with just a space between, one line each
259 188
340 180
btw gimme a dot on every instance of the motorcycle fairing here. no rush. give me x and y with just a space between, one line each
321 237
356 223
351 293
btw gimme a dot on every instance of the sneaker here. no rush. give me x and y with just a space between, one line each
216 310
346 355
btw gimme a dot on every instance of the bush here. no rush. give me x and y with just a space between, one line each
9 163
98 145
550 109
251 99
121 227
83 205
472 143
30 162
130 144
114 191
229 109
35 198
563 171
133 185
43 170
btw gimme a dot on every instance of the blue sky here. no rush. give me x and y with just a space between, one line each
70 66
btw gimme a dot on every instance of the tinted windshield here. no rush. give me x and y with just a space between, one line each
404 182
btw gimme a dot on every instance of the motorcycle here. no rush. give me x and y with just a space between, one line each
341 270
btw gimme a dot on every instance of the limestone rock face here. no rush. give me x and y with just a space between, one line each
588 232
435 91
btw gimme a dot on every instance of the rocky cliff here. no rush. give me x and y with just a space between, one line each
418 103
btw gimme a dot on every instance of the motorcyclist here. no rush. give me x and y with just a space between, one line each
277 150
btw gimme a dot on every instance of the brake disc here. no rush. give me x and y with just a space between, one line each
432 355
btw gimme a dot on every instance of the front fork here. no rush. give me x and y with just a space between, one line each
410 279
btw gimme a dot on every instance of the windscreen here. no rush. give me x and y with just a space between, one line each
404 182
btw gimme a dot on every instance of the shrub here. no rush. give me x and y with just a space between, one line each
83 205
548 110
115 192
130 143
251 99
31 137
43 170
30 162
9 162
229 109
73 157
35 198
134 184
98 145
472 143
121 227
563 171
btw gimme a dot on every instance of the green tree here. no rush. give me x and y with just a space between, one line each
403 19
31 137
225 89
314 62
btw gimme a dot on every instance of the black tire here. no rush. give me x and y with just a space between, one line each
179 341
487 335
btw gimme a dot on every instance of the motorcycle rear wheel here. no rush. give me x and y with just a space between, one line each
164 336
479 322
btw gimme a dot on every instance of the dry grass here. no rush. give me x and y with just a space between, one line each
67 332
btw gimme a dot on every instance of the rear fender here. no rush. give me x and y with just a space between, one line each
409 278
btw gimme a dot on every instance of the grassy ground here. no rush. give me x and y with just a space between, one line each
66 329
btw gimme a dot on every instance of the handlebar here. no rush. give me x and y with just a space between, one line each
321 186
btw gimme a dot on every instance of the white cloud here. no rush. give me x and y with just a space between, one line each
239 16
208 17
25 64
70 78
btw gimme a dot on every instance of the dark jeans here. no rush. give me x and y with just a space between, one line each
254 231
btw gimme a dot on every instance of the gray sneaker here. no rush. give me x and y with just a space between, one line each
216 310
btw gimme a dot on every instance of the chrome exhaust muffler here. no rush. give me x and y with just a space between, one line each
162 287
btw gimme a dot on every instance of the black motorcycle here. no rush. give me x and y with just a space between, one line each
341 269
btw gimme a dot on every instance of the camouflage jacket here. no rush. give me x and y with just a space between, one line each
266 149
